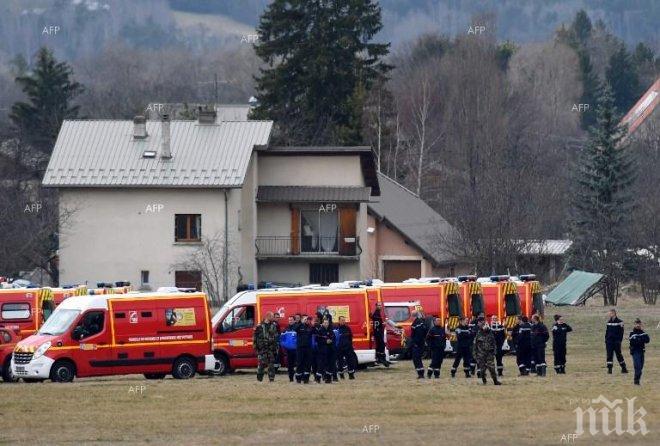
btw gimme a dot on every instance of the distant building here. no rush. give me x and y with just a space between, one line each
644 117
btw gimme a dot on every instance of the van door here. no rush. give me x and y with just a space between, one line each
92 335
136 348
234 334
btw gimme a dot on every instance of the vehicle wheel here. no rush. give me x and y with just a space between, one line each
224 365
154 375
184 368
7 375
62 372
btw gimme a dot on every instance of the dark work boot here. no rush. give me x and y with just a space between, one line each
624 369
436 374
467 374
609 369
499 372
453 373
494 376
420 374
483 378
341 375
429 373
351 376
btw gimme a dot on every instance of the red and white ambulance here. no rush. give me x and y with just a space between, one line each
234 323
154 334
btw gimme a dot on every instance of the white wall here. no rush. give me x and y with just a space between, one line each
310 170
112 235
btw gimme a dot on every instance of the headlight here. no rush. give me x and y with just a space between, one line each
41 350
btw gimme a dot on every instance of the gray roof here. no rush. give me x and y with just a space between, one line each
103 153
412 218
547 247
300 194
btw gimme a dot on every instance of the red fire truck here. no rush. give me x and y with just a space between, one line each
531 299
25 308
471 296
234 323
501 299
154 334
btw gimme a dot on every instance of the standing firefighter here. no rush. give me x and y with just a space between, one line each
638 338
484 350
325 340
418 335
559 333
304 332
379 334
539 337
291 352
523 342
463 348
499 331
613 338
266 343
435 338
345 353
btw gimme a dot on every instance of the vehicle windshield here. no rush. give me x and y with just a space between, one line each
397 314
512 304
477 304
59 322
454 304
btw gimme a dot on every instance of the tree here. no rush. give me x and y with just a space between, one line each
581 27
319 62
603 200
50 88
621 74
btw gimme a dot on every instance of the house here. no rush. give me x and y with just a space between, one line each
405 237
162 203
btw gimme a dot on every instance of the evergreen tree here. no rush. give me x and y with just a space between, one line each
603 200
320 61
590 87
49 89
581 27
621 74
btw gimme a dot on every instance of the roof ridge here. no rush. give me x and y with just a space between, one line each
400 185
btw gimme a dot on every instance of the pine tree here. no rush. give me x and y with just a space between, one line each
603 201
50 89
581 27
622 75
320 61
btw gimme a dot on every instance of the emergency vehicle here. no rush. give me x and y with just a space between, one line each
25 308
233 325
400 318
501 299
153 334
59 294
531 299
471 296
9 336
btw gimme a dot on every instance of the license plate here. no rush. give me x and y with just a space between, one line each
20 368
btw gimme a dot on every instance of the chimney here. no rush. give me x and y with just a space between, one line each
165 152
206 116
139 127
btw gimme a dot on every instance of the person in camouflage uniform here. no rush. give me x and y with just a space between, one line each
265 341
484 350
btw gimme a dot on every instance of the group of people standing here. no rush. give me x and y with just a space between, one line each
325 350
312 346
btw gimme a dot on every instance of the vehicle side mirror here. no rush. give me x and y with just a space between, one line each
77 333
219 329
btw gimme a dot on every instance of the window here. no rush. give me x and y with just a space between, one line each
59 322
47 308
238 318
319 229
397 314
477 304
15 311
537 303
454 304
512 304
187 227
90 324
144 277
323 273
5 337
188 279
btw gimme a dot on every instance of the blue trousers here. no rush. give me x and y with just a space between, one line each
638 363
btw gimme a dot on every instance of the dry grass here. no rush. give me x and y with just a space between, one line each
238 410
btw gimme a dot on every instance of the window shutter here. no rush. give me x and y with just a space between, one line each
347 223
295 231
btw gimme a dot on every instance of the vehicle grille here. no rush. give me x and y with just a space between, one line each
22 358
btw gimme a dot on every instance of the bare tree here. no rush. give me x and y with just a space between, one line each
209 259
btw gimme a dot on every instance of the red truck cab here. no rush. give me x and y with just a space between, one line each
531 298
26 308
9 336
501 299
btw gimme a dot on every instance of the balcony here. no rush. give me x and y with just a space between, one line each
307 247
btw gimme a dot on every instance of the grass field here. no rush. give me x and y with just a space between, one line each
380 407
